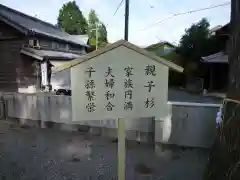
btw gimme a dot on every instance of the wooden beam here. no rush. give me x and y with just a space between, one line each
5 38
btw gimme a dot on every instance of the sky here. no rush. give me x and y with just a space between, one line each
143 13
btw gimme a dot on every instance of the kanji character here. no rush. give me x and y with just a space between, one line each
90 84
110 106
109 72
150 70
128 94
128 105
90 70
109 95
150 85
90 95
128 71
109 83
149 103
128 83
91 107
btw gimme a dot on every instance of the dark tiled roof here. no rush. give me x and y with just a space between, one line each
32 24
219 57
159 44
50 54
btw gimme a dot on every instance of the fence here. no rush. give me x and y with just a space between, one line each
2 109
188 124
58 109
39 107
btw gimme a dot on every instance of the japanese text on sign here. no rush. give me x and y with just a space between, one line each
109 83
150 70
128 86
90 90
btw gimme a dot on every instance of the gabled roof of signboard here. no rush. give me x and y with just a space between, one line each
116 45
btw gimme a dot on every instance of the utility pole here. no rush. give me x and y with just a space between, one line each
96 36
121 122
126 19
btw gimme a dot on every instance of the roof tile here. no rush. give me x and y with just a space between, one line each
36 25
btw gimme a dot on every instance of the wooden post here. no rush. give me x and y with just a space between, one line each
121 149
211 79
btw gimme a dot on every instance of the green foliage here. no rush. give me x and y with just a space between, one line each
103 34
93 24
197 42
71 19
173 57
175 79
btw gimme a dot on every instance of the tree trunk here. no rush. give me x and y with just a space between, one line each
224 161
234 53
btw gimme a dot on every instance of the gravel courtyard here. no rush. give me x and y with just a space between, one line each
46 154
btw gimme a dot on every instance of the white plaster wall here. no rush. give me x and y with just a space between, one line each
119 59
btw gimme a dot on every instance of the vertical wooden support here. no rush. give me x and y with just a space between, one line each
121 149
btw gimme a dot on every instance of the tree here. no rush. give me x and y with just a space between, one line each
71 19
197 42
234 53
94 24
225 154
103 33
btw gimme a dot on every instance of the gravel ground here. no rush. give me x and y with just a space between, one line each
45 154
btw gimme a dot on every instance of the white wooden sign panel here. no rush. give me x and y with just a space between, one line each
120 83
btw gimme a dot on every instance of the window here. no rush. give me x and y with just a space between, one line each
67 47
55 45
33 43
62 46
75 48
45 43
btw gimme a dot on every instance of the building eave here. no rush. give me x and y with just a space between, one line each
14 25
35 32
48 54
219 57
